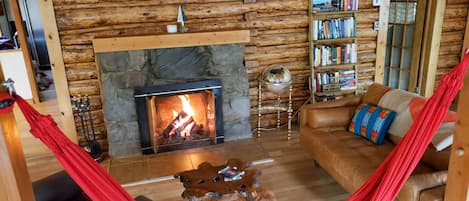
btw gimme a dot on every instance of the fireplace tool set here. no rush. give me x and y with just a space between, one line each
82 110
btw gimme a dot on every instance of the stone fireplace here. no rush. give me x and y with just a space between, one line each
121 73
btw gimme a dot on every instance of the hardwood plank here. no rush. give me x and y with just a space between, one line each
170 41
58 68
381 41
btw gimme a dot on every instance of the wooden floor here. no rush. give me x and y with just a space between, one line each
291 175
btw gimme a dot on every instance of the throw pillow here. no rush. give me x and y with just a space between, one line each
371 122
408 106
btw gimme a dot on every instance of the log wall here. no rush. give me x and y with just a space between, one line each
279 36
452 36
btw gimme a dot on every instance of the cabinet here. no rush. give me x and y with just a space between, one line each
333 49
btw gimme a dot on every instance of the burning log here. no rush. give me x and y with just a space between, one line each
181 126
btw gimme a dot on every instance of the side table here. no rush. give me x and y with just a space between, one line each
206 183
279 89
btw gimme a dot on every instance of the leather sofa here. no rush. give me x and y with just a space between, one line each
351 159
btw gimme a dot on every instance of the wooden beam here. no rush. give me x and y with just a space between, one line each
381 41
58 68
431 46
170 40
417 46
25 49
15 183
457 187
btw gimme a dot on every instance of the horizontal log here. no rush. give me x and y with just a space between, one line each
281 60
364 4
96 115
78 54
448 61
87 4
84 18
450 49
282 14
367 33
81 71
366 65
281 39
84 87
455 11
454 24
283 31
367 57
366 16
279 51
294 67
452 2
455 36
366 45
288 22
251 64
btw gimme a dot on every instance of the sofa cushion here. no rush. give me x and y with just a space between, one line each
329 117
408 106
374 94
348 158
371 122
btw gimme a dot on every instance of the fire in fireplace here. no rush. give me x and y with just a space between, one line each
179 116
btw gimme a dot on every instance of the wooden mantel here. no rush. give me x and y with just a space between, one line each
170 40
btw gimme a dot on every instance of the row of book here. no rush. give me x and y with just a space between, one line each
343 79
333 28
334 5
332 55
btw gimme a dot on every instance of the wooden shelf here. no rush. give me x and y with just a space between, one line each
128 43
335 40
335 67
335 93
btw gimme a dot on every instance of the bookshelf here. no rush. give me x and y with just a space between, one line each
333 49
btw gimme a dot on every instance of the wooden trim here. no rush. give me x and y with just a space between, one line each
381 41
170 40
417 46
58 68
15 183
431 47
25 49
466 37
458 171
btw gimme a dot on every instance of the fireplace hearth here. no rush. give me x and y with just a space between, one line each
179 116
121 73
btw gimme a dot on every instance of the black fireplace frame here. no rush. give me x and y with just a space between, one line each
173 89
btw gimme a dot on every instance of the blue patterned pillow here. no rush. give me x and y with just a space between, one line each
371 122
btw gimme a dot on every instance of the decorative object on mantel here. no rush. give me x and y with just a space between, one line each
209 182
181 19
277 79
82 108
172 28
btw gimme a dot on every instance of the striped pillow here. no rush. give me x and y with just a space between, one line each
371 122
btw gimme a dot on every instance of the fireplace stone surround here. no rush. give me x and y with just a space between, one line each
122 72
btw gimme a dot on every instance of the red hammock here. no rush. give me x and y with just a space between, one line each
390 176
87 173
